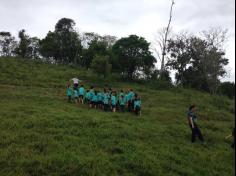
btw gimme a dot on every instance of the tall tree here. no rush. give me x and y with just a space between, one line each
161 41
180 56
63 45
34 50
132 53
7 44
23 47
197 63
96 47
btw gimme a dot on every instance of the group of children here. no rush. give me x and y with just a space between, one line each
107 100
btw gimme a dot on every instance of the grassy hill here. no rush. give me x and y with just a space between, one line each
41 134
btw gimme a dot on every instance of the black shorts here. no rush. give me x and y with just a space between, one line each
113 106
76 98
94 103
137 109
100 102
81 96
122 106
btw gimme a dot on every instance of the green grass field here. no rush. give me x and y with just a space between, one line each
41 134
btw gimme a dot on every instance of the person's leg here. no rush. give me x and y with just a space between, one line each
122 108
199 134
69 99
132 105
76 100
105 107
129 106
193 134
136 111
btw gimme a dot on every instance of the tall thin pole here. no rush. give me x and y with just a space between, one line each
166 38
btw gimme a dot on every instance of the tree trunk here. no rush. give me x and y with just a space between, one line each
166 39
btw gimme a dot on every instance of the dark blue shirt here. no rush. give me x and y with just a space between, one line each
192 115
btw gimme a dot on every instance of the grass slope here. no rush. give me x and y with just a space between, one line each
41 134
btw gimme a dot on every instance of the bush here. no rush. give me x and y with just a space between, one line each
101 65
227 89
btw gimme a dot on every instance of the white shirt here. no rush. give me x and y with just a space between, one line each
75 80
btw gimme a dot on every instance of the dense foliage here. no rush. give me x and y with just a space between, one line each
199 61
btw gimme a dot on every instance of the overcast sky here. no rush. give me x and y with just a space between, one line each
121 17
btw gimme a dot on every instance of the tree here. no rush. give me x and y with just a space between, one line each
109 40
65 25
96 47
216 38
132 53
34 50
23 47
101 65
161 42
50 48
227 89
63 45
198 64
179 52
7 44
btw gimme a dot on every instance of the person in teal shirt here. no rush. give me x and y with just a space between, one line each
99 95
130 100
121 93
106 101
122 103
81 94
137 105
95 100
91 94
113 102
69 93
87 97
76 95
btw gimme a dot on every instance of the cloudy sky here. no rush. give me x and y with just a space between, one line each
122 17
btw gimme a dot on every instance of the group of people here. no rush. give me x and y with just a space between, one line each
111 100
107 100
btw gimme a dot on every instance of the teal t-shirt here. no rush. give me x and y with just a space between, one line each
126 98
130 96
99 96
137 103
69 92
102 93
113 100
121 94
95 98
81 91
106 98
76 93
122 101
87 96
91 94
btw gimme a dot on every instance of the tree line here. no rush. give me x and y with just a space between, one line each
198 60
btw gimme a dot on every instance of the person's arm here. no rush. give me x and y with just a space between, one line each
191 122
